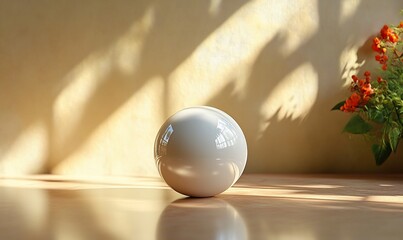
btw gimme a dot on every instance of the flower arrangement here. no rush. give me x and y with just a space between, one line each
377 105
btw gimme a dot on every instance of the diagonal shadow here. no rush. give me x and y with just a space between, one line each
170 41
41 42
286 145
58 25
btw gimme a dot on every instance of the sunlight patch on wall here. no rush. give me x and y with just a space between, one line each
349 64
304 25
127 50
215 6
294 96
81 83
123 143
348 9
70 104
28 154
228 53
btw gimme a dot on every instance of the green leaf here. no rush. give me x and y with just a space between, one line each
338 106
381 153
398 48
394 137
357 125
376 115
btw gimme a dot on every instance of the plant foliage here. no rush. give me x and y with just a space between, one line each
377 105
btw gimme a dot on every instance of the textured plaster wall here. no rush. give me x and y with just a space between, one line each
85 85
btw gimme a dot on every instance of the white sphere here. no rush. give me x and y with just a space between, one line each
200 151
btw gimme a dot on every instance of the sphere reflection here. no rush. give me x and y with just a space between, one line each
192 218
200 151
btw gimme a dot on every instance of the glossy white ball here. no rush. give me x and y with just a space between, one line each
200 151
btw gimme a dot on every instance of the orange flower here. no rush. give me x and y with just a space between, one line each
376 47
388 34
393 37
368 96
381 58
351 103
354 99
366 89
380 80
365 99
385 31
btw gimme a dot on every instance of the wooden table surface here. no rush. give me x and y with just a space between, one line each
257 207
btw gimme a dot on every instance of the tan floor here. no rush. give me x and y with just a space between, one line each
257 207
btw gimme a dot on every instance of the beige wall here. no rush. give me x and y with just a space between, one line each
85 85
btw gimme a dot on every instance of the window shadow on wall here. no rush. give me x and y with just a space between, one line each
286 142
47 45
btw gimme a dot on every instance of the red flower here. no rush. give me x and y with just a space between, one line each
393 37
351 103
368 96
388 34
354 99
385 31
376 47
380 80
366 89
381 58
